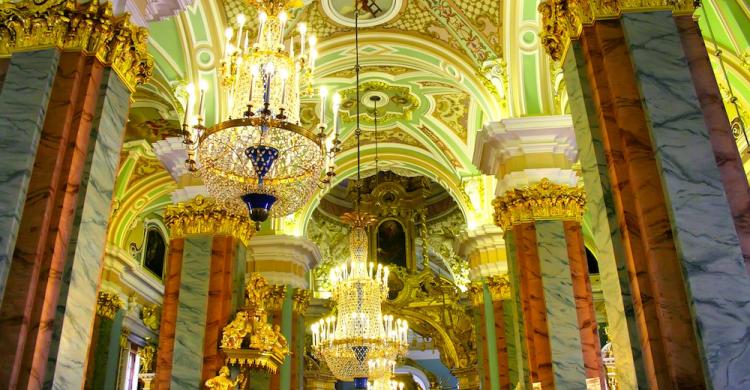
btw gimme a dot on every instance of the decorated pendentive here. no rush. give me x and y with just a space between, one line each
249 342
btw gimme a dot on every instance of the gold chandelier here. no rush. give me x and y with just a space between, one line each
260 158
359 342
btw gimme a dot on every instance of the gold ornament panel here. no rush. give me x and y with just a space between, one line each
90 28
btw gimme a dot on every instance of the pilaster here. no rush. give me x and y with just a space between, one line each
201 291
104 352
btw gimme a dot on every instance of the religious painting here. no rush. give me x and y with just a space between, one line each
156 250
392 243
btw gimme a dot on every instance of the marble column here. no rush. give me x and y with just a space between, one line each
70 198
301 301
532 159
498 290
63 115
554 293
673 211
484 247
199 291
23 106
104 353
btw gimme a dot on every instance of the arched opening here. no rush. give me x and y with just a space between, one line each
593 263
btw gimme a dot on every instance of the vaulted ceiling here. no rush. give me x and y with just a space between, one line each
443 68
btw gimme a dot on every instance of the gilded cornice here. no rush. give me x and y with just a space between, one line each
205 216
563 20
301 300
499 286
108 304
90 28
542 201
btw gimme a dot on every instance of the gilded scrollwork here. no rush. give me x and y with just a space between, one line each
108 304
90 28
430 303
205 216
544 200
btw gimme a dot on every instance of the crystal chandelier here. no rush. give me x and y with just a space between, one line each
359 342
259 158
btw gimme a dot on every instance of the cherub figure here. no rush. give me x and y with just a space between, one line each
235 331
256 290
223 381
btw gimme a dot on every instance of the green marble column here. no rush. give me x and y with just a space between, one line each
190 326
23 106
106 354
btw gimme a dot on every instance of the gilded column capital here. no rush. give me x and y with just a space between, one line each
90 28
275 298
301 300
542 201
108 303
563 20
205 216
499 286
476 293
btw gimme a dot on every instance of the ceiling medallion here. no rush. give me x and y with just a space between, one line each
375 13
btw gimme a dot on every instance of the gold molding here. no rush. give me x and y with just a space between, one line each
499 286
542 201
108 304
90 28
205 216
563 20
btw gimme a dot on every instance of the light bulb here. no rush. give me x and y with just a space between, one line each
228 33
302 27
336 105
254 69
323 92
284 73
283 17
203 85
241 19
312 41
263 17
269 68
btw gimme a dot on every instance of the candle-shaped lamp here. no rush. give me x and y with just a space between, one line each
323 96
262 17
282 18
302 27
241 22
